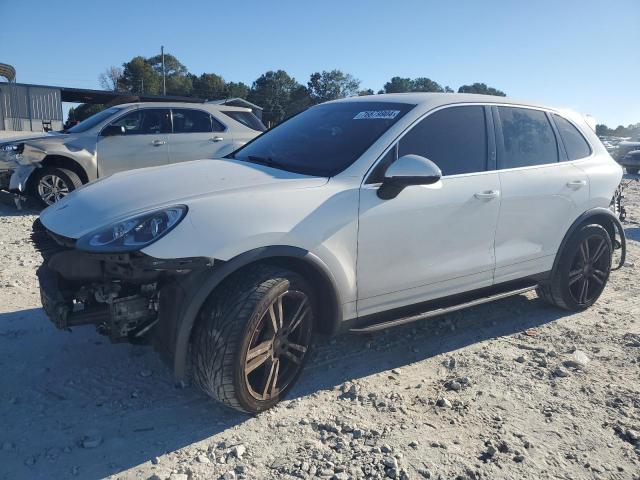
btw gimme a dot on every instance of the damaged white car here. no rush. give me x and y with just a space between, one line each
121 138
355 215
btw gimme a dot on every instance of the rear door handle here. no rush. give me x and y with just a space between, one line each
576 183
487 195
216 139
157 143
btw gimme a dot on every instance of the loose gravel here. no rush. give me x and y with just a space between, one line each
510 390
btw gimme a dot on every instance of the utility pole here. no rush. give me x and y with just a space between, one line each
164 75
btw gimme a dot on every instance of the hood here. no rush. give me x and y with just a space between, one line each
29 136
128 193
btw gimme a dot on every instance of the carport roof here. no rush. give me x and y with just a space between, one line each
86 95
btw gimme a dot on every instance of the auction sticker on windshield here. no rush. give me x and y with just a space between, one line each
377 115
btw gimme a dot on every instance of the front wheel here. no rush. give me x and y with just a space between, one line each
583 270
253 337
52 184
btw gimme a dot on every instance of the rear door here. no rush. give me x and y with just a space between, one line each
542 193
197 135
143 144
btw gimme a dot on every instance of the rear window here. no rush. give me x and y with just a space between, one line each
528 138
325 139
574 143
248 119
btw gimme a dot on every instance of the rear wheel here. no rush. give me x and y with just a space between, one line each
253 338
583 270
52 184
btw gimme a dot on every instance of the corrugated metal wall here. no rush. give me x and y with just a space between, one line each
25 108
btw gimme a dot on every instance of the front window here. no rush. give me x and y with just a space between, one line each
324 140
93 120
145 121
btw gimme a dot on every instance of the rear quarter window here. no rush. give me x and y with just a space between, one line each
248 119
574 143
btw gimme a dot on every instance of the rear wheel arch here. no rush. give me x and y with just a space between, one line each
203 284
599 216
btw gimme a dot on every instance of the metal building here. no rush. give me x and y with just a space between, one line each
30 108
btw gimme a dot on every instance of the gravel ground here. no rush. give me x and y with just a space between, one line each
513 389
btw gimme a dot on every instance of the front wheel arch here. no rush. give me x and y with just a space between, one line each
198 286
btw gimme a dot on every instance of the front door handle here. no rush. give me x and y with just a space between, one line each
487 195
216 139
157 143
576 183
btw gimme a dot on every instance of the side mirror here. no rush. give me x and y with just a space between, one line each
406 171
112 130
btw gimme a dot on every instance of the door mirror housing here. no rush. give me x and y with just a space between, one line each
112 130
408 170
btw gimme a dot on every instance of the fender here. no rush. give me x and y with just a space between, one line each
602 213
188 294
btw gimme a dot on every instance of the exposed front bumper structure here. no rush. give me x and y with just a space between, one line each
118 293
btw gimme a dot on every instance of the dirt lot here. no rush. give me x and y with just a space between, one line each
513 390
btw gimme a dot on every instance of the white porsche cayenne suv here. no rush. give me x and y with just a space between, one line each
355 215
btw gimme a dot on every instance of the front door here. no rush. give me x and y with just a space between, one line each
197 135
143 143
435 240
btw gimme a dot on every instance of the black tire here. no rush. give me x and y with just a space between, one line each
632 170
235 320
577 284
62 180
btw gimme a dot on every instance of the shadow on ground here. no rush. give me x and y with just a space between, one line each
62 393
632 234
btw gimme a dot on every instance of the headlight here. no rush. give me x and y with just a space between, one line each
133 233
12 148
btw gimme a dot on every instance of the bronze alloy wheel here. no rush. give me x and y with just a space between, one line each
278 345
589 269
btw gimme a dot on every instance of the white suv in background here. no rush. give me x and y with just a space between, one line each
125 137
355 215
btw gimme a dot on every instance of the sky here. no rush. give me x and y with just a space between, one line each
579 54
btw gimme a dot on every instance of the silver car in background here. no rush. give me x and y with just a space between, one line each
123 137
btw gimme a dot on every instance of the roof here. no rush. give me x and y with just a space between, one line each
237 101
434 100
86 95
185 105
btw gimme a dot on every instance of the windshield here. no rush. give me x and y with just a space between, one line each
93 120
323 140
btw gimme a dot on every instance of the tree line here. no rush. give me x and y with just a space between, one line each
632 131
277 92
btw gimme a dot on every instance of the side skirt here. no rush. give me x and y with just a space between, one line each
434 308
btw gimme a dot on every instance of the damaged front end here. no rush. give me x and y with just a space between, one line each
119 293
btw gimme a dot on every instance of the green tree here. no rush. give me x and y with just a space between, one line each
423 84
482 89
398 85
236 90
602 129
209 86
367 91
138 76
82 112
324 86
273 91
